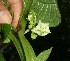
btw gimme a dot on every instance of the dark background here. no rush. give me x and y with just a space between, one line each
59 39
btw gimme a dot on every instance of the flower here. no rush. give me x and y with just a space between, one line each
41 29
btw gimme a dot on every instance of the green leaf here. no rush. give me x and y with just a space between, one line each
1 57
47 11
7 40
43 56
6 29
28 50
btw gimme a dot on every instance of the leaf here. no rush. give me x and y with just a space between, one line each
47 11
7 40
28 50
6 29
43 56
1 57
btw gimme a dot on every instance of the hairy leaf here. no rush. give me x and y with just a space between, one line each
47 11
43 56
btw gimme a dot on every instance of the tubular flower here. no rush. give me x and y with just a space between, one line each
41 29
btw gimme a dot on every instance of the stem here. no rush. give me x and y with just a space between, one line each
28 7
28 50
17 45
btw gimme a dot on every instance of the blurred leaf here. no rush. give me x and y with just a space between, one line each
1 57
47 11
43 56
7 40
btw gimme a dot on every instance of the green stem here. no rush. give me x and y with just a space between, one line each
28 50
17 45
28 7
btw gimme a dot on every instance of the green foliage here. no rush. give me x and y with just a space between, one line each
1 57
6 29
7 40
40 29
18 46
27 5
46 11
43 56
28 50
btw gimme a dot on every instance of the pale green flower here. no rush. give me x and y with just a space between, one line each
41 29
